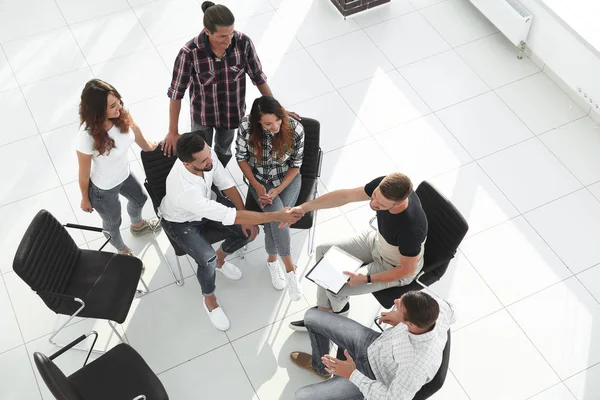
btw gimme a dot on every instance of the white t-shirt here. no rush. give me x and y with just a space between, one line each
110 168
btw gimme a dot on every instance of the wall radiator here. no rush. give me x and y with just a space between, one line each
510 17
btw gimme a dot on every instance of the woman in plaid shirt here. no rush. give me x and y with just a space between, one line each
269 151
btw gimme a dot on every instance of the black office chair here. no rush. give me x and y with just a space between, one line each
447 228
310 171
157 167
120 374
438 380
73 281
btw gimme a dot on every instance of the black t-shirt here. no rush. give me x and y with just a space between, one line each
407 229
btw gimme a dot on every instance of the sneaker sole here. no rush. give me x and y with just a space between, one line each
142 232
298 328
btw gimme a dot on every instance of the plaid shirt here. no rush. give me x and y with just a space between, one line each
218 86
403 362
270 170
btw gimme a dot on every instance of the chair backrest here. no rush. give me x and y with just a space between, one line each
447 228
311 164
55 380
440 377
157 167
46 257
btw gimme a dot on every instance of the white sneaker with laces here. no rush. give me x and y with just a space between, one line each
294 288
276 272
217 317
230 271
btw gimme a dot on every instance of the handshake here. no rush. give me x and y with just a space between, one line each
289 215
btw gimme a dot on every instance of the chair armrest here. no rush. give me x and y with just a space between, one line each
320 163
84 227
76 342
60 296
371 223
93 229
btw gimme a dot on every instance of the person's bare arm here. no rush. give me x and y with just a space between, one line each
264 89
233 195
85 167
169 144
285 216
140 139
337 198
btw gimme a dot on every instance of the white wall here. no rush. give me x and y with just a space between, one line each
564 52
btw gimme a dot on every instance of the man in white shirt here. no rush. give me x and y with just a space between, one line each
190 206
392 365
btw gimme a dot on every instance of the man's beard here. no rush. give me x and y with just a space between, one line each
205 169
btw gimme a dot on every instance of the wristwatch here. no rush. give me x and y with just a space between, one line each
368 278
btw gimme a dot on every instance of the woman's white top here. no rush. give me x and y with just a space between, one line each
110 168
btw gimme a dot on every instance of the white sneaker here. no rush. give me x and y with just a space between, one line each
294 288
217 317
276 272
230 271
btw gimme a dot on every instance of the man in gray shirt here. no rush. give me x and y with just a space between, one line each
392 365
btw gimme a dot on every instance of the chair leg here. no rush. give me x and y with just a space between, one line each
178 279
242 252
114 328
311 237
57 331
146 290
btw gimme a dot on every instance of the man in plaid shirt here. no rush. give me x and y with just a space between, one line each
214 66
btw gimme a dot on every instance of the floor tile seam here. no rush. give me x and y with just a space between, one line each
539 352
459 384
560 160
243 368
38 128
99 16
232 341
14 314
576 276
57 75
460 55
532 397
29 359
28 197
386 18
196 356
31 35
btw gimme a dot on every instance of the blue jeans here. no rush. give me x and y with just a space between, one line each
278 240
189 236
108 206
223 140
323 328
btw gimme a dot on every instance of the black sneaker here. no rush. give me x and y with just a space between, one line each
300 327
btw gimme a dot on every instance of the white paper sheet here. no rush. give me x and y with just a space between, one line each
329 272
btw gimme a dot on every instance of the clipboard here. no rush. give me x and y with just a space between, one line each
328 271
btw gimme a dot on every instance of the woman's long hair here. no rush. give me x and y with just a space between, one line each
92 113
283 141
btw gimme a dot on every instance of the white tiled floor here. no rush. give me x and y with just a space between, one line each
427 87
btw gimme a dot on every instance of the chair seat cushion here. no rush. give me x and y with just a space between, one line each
120 374
106 282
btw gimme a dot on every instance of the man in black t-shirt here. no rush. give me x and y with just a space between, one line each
393 253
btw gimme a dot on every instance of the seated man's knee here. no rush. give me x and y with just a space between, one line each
305 393
313 316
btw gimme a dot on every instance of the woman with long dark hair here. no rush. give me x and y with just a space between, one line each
106 133
269 151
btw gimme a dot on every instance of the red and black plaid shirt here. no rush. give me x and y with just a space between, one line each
218 86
